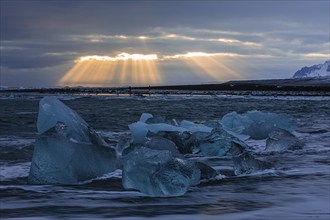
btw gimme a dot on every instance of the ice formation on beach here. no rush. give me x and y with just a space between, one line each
158 172
256 124
67 150
153 155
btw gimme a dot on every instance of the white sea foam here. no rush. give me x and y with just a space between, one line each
11 171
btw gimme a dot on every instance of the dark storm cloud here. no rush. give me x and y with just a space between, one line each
46 34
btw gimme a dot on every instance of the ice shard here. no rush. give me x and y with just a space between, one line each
148 123
193 127
67 150
207 172
160 143
244 161
257 124
185 141
281 140
158 172
217 143
139 132
146 116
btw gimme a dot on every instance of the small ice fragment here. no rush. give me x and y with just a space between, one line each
164 127
140 129
217 143
185 142
281 140
145 116
123 143
193 127
244 161
207 172
160 143
139 132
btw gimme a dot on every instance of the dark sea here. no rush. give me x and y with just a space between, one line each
297 187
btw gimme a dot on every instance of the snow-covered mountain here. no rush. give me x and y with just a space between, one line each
314 71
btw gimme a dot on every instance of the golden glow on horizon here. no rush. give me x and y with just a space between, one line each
142 69
211 66
122 70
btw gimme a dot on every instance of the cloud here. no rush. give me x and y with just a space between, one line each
119 57
258 37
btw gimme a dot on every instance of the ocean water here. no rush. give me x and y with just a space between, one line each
297 187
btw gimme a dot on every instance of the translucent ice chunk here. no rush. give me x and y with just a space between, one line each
160 119
207 172
218 143
145 116
257 124
164 127
140 129
185 142
52 110
244 161
158 173
69 151
281 140
193 127
160 143
139 132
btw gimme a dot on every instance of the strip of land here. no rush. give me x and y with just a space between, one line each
316 86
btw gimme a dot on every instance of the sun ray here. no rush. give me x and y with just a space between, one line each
123 69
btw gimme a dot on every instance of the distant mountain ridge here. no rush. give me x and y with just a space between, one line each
314 71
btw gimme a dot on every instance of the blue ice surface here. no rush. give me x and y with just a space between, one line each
67 150
257 124
280 140
190 137
244 161
158 172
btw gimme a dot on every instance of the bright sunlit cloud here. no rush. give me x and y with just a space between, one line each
210 65
165 37
143 69
121 70
318 55
121 56
200 54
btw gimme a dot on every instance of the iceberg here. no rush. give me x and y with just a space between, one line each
281 140
67 150
158 172
244 161
256 124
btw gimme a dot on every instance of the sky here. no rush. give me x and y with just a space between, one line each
140 43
